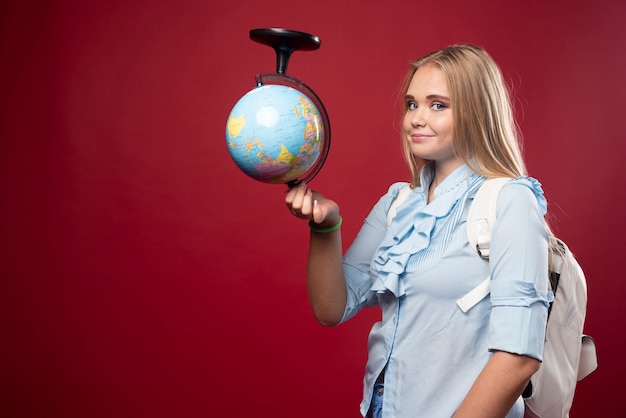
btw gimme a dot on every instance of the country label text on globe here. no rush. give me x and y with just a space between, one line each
275 134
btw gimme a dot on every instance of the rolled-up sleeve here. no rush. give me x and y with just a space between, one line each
519 271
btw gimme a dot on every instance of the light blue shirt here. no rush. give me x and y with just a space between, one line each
418 268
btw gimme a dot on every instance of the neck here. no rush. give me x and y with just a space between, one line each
436 181
443 170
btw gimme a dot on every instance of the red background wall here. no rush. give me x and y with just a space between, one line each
143 275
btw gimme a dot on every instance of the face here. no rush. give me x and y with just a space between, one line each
427 123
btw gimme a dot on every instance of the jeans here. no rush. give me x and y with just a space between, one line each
376 408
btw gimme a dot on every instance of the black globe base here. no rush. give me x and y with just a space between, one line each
285 42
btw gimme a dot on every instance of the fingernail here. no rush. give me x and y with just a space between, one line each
316 204
309 191
302 184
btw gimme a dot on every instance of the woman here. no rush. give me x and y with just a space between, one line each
426 357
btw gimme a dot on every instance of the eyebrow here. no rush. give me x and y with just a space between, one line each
429 97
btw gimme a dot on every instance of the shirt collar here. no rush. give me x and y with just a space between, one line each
458 177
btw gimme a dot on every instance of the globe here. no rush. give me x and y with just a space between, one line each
275 134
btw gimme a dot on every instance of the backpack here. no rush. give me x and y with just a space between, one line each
569 355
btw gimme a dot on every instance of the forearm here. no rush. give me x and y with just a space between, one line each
325 280
498 386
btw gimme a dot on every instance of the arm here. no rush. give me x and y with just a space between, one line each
325 279
498 386
519 271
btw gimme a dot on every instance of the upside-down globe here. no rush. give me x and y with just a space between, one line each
275 134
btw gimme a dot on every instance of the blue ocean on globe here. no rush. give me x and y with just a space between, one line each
275 134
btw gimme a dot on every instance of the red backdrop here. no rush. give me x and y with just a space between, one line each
144 275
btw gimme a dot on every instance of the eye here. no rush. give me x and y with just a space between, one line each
438 106
411 105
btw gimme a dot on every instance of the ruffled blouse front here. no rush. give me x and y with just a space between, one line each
413 225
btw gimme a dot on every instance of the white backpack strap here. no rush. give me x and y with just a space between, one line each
401 197
477 294
482 215
480 220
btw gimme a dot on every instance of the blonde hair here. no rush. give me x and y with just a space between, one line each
485 133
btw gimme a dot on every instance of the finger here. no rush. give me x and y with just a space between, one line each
298 201
295 194
301 202
307 204
318 214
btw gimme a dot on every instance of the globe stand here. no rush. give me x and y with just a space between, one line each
285 42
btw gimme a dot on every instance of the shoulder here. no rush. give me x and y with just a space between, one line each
386 200
523 191
379 214
395 188
381 208
393 192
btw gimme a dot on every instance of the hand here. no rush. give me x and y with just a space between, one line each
304 203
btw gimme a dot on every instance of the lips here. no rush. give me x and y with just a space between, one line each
419 137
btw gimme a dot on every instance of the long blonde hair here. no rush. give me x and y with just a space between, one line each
485 133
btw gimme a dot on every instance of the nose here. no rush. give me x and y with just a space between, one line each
418 117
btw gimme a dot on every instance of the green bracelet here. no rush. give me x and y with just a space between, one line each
325 230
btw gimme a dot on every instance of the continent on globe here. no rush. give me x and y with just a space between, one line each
235 125
275 134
